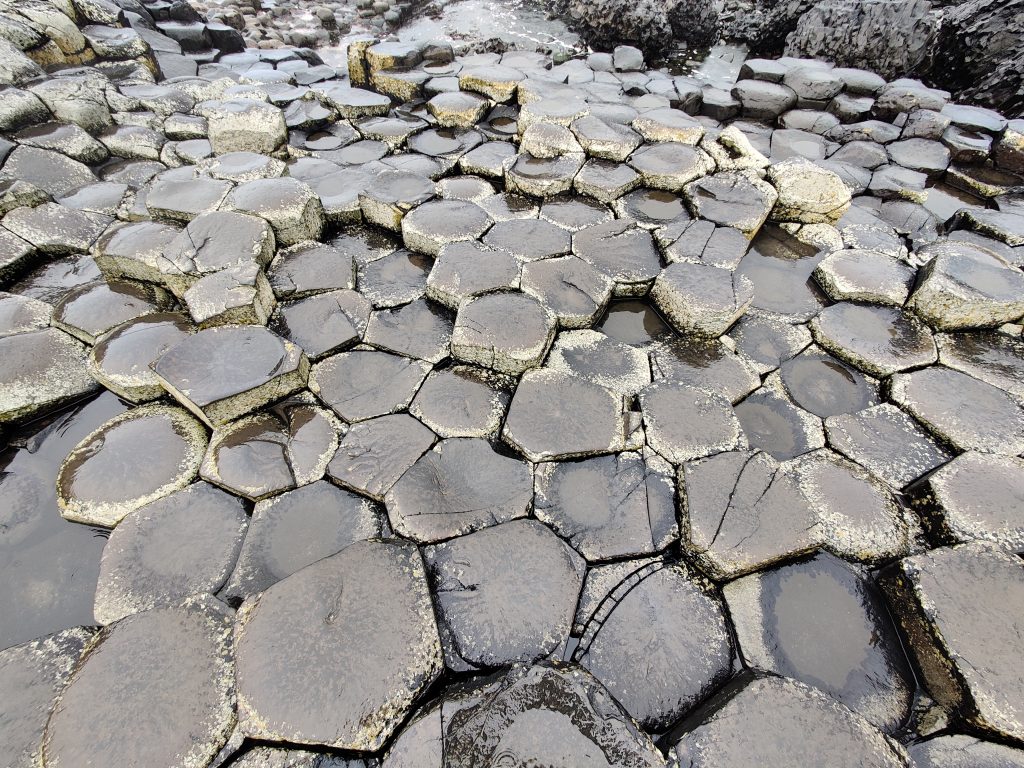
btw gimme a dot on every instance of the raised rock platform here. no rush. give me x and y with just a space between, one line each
591 416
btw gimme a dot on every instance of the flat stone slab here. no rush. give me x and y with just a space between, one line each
461 401
669 623
967 287
419 330
573 290
460 486
701 299
775 720
963 606
823 623
20 314
366 608
609 506
529 239
878 340
732 199
183 544
867 276
508 332
298 528
556 415
505 595
887 442
308 268
121 358
602 360
543 177
670 165
265 453
622 252
684 423
961 410
962 751
177 660
375 453
439 222
136 458
222 373
33 674
91 310
324 323
774 424
728 498
978 496
363 384
532 713
467 269
215 241
41 371
993 357
767 340
394 279
708 364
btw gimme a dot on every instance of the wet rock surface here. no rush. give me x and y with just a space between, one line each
473 405
319 608
959 604
505 594
184 667
803 722
825 624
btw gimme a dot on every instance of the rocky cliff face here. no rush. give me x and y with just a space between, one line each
892 37
651 25
981 53
975 49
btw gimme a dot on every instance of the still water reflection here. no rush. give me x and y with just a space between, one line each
48 566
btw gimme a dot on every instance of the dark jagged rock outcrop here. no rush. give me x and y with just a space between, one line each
651 25
892 37
980 53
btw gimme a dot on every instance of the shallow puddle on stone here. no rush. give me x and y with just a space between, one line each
774 425
634 322
944 200
825 386
654 206
48 566
780 268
